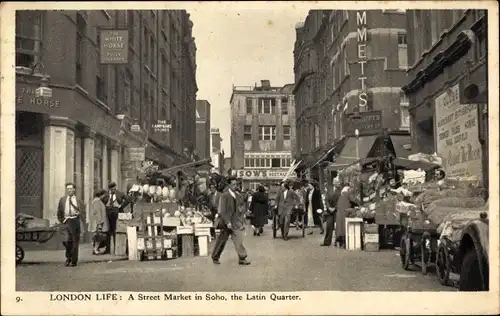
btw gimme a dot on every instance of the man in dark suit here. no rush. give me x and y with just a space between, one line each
286 200
232 223
115 204
331 200
69 210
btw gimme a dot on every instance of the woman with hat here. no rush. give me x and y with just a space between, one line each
314 207
259 207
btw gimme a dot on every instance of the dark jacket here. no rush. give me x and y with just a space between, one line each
331 201
259 208
121 199
231 210
317 203
345 201
62 204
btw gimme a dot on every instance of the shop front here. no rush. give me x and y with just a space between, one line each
252 178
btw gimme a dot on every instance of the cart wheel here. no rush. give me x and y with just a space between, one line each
405 251
274 225
443 264
424 254
19 254
303 225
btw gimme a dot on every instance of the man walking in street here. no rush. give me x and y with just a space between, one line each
115 204
232 223
286 200
69 210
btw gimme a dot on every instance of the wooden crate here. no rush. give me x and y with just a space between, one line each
202 246
121 244
187 244
202 231
353 233
185 230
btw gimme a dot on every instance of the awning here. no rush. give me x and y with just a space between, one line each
411 164
336 145
352 147
398 143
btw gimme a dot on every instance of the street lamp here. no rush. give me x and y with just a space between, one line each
44 90
356 133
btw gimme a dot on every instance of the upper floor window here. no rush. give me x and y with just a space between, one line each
403 98
287 132
284 106
247 132
267 105
267 132
249 105
402 51
28 38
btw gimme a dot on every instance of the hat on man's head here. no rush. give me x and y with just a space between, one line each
112 185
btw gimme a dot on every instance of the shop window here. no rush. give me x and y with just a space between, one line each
28 38
275 163
403 98
249 105
285 162
284 106
247 132
287 132
267 132
267 105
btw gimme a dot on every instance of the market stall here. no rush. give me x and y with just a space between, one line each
169 214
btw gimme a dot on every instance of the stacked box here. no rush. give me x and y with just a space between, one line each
371 237
185 230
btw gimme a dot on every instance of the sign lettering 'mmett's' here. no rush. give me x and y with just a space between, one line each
362 39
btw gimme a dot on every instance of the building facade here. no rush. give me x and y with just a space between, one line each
82 132
447 88
348 61
262 132
203 128
217 151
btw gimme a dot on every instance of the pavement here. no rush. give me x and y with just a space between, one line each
299 264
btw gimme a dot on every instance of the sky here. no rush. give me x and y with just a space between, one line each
240 48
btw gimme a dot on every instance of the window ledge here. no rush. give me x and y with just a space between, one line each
28 71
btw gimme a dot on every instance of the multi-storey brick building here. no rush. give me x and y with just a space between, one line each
447 87
349 62
262 132
217 151
81 133
203 128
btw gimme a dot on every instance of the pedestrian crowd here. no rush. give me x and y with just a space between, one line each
302 203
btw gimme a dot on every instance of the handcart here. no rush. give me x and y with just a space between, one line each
38 234
298 213
419 244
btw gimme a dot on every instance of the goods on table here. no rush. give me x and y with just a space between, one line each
28 221
414 177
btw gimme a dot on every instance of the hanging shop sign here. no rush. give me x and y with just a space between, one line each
256 174
137 153
114 46
457 135
362 58
364 122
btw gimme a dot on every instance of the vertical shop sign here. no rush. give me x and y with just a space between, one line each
457 135
362 39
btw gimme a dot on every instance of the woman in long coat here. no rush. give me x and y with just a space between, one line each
313 203
259 208
98 219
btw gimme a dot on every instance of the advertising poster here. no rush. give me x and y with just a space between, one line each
456 135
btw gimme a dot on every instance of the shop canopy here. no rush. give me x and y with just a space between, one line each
403 163
353 151
337 145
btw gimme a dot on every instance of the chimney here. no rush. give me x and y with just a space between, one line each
265 84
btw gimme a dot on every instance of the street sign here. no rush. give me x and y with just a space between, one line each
364 122
161 126
137 153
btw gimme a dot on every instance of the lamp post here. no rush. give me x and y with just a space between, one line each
356 133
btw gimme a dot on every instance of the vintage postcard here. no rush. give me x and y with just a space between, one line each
249 158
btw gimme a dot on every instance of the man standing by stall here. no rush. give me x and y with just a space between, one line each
115 204
286 200
332 197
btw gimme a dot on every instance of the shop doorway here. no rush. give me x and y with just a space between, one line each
29 163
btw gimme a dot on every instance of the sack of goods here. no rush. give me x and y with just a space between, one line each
441 209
